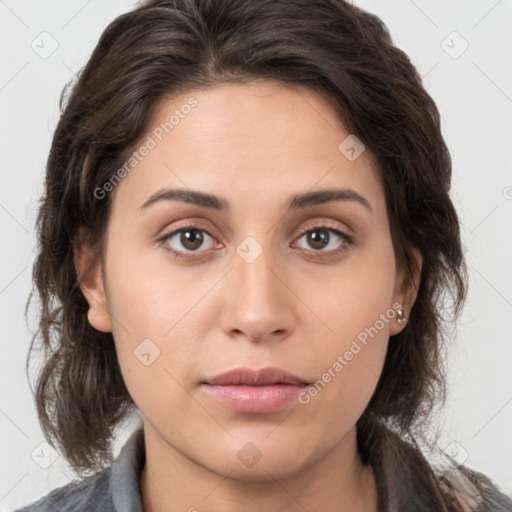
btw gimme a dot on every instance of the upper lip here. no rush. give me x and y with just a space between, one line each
262 377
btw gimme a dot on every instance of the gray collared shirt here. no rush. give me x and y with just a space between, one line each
115 489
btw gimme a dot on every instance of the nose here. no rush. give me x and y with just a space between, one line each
258 303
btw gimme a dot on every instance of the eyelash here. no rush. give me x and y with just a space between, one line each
348 240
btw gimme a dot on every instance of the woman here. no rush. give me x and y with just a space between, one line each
245 235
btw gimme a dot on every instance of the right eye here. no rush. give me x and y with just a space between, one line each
190 237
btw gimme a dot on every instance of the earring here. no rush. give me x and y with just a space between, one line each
401 318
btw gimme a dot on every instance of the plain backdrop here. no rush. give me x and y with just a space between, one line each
463 50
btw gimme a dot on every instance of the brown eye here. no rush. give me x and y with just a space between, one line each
186 239
326 239
191 239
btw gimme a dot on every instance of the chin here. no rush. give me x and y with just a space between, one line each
251 464
261 472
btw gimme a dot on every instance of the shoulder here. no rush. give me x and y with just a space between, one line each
113 489
475 491
87 495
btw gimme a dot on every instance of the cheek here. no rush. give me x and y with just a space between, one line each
147 296
346 370
151 314
353 298
356 311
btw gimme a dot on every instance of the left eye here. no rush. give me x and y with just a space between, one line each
319 238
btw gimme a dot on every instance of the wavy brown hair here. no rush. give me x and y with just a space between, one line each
166 47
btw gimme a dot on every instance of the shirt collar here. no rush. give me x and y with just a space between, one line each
125 474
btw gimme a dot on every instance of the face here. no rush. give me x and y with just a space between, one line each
190 291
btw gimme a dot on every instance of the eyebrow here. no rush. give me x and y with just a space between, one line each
220 204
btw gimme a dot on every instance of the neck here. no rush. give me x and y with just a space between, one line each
339 481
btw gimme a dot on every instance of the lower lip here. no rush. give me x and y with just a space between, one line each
255 399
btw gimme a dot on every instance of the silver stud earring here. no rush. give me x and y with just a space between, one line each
401 318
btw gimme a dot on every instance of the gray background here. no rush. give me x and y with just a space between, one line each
473 90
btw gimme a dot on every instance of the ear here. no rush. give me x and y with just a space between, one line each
406 288
89 270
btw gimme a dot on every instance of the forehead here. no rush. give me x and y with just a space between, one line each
261 141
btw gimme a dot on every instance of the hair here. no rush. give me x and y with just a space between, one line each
166 47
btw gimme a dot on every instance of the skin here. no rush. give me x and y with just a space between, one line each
292 307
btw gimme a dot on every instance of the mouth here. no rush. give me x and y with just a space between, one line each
255 391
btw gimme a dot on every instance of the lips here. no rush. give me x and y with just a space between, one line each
255 391
263 377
